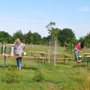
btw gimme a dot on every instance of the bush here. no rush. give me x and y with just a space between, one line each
69 48
39 77
11 75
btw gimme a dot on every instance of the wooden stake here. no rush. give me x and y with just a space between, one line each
55 53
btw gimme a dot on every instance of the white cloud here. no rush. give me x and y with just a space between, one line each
84 9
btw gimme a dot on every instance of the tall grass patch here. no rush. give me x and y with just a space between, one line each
11 75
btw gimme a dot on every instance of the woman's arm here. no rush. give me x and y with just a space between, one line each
80 51
24 46
14 45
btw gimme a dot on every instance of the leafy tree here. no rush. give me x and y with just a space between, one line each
45 40
82 41
10 39
87 40
52 30
69 48
28 37
36 38
19 35
5 37
66 36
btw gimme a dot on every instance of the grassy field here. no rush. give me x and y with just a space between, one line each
71 76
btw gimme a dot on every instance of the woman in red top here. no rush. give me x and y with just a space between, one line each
76 51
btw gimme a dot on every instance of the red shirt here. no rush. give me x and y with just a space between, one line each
78 46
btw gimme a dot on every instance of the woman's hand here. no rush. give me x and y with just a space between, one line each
14 44
24 46
80 52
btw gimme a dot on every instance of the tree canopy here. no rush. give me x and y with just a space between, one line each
5 37
52 30
66 36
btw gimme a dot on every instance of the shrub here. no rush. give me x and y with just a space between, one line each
39 77
69 48
11 75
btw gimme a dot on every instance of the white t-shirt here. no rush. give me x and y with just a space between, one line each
19 48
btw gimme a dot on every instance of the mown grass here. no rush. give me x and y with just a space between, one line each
71 76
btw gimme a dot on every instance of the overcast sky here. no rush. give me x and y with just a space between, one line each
34 15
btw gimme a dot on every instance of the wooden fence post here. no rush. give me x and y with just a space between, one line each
55 52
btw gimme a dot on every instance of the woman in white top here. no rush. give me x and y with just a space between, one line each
18 51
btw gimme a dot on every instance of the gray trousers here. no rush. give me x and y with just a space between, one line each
76 54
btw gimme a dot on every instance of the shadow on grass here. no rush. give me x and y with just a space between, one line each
33 68
1 66
14 66
6 67
63 63
29 67
79 66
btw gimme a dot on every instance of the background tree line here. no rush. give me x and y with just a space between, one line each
64 37
27 38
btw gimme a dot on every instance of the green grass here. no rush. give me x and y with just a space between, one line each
71 76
